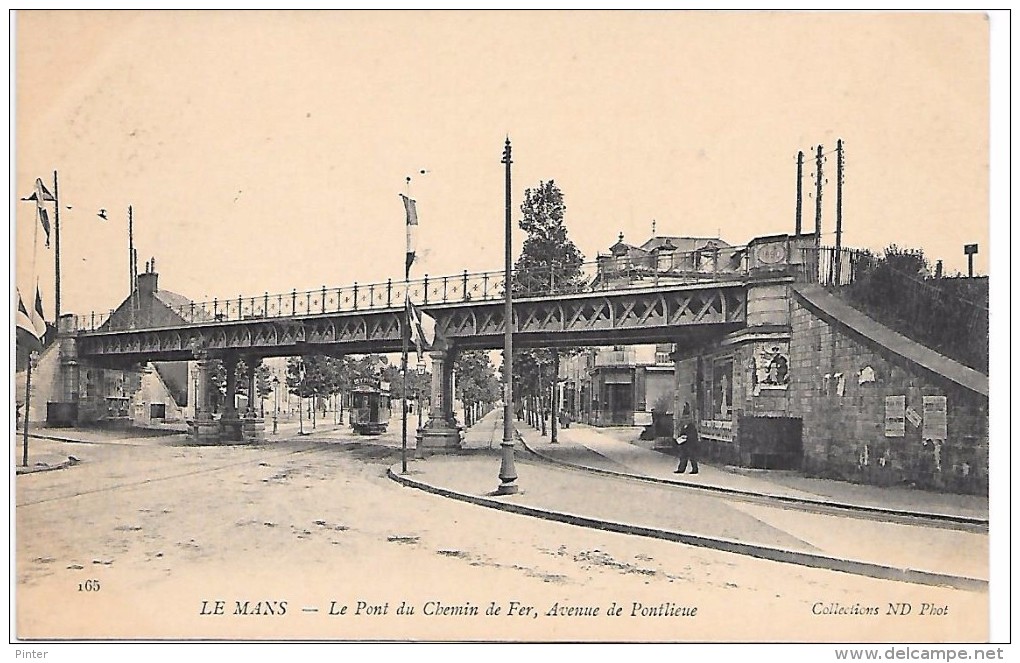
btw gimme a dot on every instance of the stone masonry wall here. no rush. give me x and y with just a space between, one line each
45 384
839 384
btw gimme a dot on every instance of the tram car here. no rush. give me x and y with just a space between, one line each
370 409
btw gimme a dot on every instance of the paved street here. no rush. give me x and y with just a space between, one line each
168 529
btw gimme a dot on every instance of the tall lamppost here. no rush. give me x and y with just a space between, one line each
276 408
301 401
421 376
507 471
33 360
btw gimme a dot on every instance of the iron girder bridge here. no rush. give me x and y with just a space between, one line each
598 304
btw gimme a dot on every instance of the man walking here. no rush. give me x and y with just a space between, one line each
688 442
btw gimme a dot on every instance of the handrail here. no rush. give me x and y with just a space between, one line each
607 273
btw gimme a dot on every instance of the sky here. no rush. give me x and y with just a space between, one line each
265 151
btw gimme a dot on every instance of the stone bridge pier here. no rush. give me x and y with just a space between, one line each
234 425
441 432
206 430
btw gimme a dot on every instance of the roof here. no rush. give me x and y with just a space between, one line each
621 249
683 244
176 303
179 306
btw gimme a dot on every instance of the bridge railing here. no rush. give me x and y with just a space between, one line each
607 273
828 266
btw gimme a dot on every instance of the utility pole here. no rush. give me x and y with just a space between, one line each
507 471
800 181
131 262
818 197
56 254
839 208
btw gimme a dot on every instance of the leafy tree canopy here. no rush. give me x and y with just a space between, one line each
476 377
322 375
549 260
416 384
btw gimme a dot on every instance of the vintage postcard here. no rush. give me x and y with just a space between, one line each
267 266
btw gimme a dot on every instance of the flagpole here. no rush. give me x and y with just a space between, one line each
405 328
405 332
35 249
56 257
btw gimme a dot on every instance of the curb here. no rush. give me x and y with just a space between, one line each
946 521
726 545
71 440
19 470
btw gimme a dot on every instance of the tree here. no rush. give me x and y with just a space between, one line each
416 383
476 381
315 377
263 383
550 262
218 380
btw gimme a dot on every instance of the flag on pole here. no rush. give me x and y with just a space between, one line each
423 328
42 195
38 318
23 321
412 230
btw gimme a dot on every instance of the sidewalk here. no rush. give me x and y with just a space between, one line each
666 507
632 459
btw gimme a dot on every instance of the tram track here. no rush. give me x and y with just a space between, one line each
71 440
315 446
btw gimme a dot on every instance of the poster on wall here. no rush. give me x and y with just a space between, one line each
895 416
770 366
934 408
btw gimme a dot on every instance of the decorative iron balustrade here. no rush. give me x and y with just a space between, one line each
606 274
827 266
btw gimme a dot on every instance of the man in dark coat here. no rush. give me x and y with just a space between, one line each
688 442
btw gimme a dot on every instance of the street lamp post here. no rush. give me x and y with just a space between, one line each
301 400
507 471
421 375
32 359
276 409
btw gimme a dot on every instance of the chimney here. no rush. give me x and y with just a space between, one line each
147 284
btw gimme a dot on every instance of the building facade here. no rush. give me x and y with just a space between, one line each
617 386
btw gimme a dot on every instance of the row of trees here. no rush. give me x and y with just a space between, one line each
321 376
549 263
477 386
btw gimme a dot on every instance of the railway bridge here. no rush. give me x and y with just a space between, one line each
686 299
